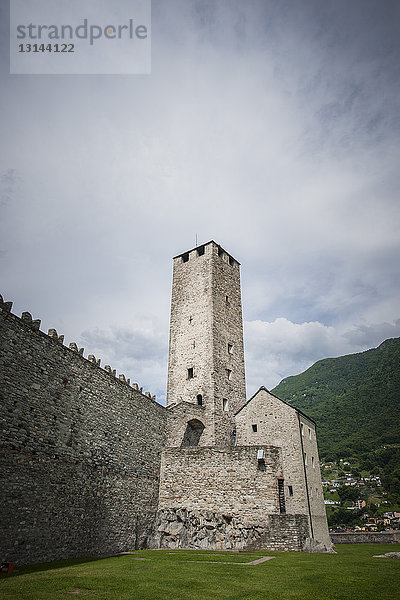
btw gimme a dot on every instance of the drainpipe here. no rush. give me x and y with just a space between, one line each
305 477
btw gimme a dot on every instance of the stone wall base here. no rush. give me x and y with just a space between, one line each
181 528
368 537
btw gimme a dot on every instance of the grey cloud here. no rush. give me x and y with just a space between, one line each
280 348
369 336
271 127
138 353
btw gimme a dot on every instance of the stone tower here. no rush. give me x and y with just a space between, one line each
234 474
206 356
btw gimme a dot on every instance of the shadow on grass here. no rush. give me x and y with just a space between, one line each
57 564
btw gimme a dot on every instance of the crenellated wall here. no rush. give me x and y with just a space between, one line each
80 450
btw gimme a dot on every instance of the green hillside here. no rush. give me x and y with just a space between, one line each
354 399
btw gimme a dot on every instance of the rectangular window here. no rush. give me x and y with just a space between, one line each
225 404
281 496
254 427
229 373
230 348
313 462
290 488
190 373
309 433
200 251
185 257
231 261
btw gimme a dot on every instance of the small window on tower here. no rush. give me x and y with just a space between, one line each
199 399
200 251
230 348
227 300
225 404
185 257
305 458
229 373
231 261
190 373
302 428
313 462
290 488
309 433
220 251
254 427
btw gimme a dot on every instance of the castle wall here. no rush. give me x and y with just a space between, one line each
224 498
224 480
80 451
179 415
282 425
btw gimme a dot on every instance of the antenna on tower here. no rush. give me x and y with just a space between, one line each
196 240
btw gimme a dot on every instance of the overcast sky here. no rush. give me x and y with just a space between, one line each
270 126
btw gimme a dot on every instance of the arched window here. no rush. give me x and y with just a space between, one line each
194 429
199 399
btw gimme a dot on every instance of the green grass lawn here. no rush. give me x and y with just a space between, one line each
351 574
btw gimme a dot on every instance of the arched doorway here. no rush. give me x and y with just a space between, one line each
194 429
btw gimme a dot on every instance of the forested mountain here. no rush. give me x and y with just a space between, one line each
354 399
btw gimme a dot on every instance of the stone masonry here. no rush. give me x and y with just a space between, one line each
231 466
91 466
206 355
80 450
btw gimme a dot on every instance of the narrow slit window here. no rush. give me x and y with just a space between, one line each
229 373
231 261
309 433
230 348
185 257
302 428
190 373
313 462
200 251
227 300
199 399
220 251
225 404
305 458
254 427
290 488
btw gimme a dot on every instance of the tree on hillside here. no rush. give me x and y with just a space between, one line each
346 492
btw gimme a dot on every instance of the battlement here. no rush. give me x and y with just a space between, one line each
200 250
80 452
34 324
